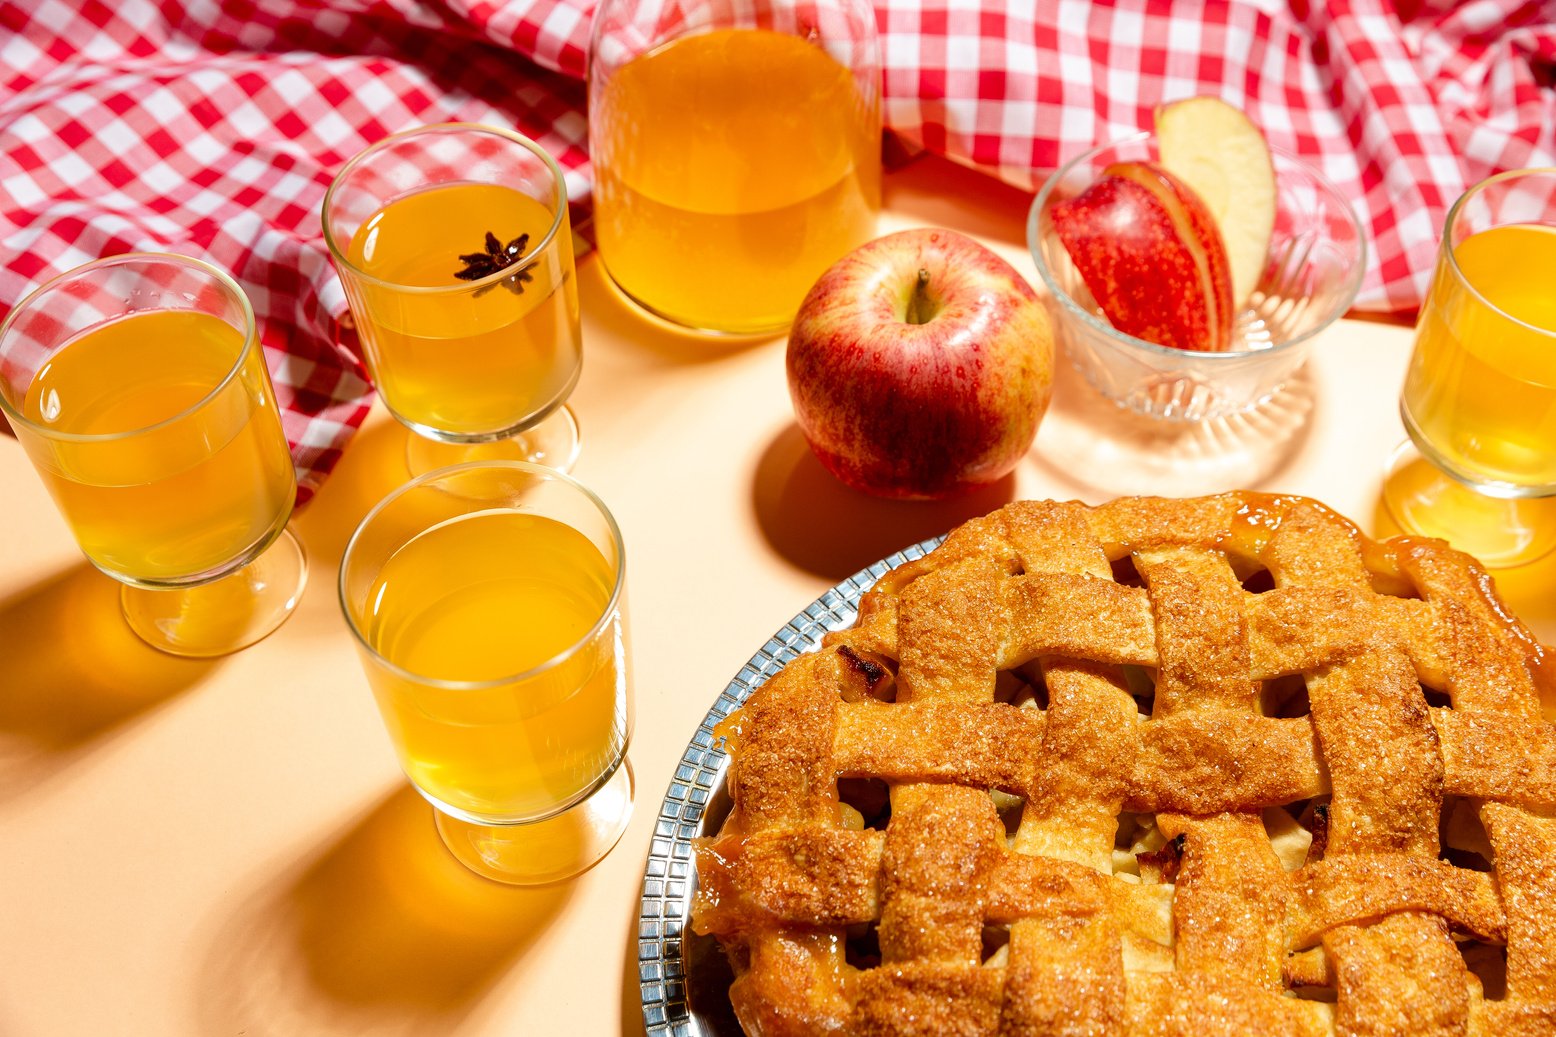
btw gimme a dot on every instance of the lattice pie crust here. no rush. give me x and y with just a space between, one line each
1211 766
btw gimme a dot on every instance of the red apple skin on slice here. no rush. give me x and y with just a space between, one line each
1151 255
919 366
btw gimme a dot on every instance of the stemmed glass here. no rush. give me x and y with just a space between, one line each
1479 400
138 387
454 247
488 604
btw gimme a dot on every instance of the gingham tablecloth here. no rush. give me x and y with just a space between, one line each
213 127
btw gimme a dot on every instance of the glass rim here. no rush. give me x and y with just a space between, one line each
1034 247
611 608
1449 251
559 206
227 282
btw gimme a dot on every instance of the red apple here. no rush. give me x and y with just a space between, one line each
1152 256
919 365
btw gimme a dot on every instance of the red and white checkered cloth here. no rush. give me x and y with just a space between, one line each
213 127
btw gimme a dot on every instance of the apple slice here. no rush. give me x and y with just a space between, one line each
1149 251
1218 151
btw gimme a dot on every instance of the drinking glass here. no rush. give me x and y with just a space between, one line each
1479 400
488 604
736 151
138 387
454 247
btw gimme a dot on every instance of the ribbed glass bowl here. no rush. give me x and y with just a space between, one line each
1314 268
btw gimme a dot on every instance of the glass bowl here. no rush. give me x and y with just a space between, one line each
1314 268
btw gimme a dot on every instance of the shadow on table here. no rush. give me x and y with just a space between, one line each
373 464
73 671
823 527
383 933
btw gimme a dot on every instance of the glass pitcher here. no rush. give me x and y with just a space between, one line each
736 152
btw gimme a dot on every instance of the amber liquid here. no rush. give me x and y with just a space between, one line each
1480 392
732 168
489 597
176 494
462 363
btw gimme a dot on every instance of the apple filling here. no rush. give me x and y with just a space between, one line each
863 803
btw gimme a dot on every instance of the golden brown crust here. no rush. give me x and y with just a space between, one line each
1145 693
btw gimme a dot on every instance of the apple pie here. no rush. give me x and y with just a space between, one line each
1199 767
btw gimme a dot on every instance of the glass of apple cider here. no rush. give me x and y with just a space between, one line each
736 152
1479 400
453 244
488 604
138 387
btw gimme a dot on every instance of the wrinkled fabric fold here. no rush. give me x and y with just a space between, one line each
213 127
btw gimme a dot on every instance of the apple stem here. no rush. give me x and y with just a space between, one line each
921 308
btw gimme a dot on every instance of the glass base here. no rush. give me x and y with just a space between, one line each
1095 446
553 441
546 851
1500 532
227 614
696 329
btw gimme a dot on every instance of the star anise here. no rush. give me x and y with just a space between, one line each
496 256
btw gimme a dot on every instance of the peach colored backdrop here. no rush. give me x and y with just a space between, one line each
223 848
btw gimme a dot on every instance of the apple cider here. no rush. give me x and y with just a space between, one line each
1481 387
732 168
165 467
465 362
528 709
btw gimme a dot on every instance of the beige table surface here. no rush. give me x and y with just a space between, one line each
229 848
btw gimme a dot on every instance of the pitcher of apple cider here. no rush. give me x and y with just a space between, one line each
736 152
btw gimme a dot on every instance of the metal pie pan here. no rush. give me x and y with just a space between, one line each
684 978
